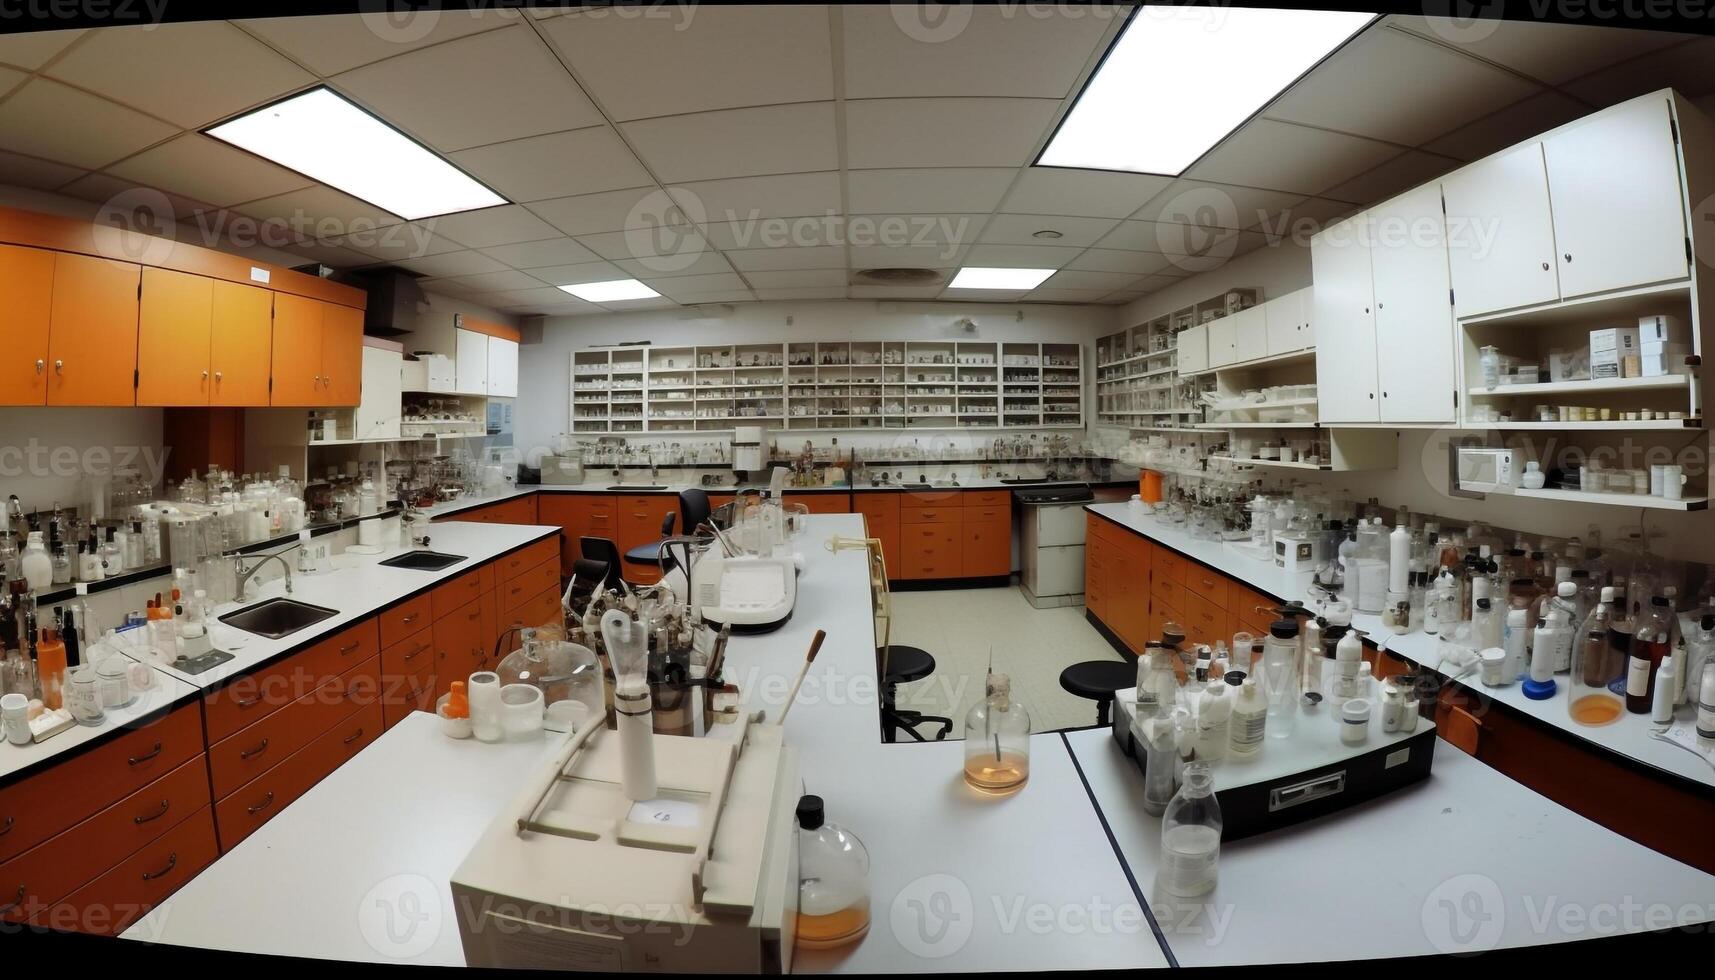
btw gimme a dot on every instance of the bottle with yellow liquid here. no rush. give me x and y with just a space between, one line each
833 881
1590 698
997 741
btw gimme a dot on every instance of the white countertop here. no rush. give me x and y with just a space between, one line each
165 692
1465 861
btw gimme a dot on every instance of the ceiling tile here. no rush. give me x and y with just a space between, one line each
805 231
583 161
784 259
1165 237
208 170
720 296
964 190
741 198
568 275
896 292
1284 157
440 96
670 242
679 286
800 292
797 279
191 73
1313 212
1020 229
669 59
690 264
1020 256
1093 193
915 229
340 42
1684 67
945 132
501 225
589 214
1114 260
1380 86
33 122
410 240
319 213
1107 282
328 254
908 50
1403 172
623 306
1214 205
907 256
535 296
1547 51
542 254
196 223
446 264
1045 295
32 50
31 172
11 79
1514 124
738 142
496 282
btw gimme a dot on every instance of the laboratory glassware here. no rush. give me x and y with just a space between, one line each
997 740
833 880
1191 836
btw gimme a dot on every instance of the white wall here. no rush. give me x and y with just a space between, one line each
544 383
48 455
1277 268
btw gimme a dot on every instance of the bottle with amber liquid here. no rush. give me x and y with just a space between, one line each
1652 642
833 880
51 667
997 741
1589 700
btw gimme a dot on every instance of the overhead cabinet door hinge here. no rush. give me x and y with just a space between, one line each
1673 127
136 377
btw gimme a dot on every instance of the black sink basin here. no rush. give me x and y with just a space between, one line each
633 486
1015 481
274 618
423 561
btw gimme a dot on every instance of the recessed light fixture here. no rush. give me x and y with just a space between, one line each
975 277
611 291
1048 233
327 138
1180 78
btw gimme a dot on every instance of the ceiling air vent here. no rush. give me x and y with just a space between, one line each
898 277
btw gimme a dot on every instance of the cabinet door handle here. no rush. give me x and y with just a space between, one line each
1568 256
408 620
354 736
19 900
258 808
250 703
413 654
473 616
205 375
217 377
138 760
59 366
172 862
1545 267
158 814
41 365
249 754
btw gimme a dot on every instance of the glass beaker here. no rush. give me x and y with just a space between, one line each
997 741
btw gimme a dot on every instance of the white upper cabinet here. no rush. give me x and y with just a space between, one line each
1250 333
377 415
1223 341
502 368
1414 330
470 363
1343 308
1287 320
1619 213
1193 349
1500 233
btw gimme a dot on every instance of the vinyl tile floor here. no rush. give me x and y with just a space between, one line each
960 628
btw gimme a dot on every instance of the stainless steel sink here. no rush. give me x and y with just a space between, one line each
635 486
423 561
275 618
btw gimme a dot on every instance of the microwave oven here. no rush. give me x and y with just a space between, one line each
1485 470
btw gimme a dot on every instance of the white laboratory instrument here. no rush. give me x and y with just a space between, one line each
751 593
747 448
575 875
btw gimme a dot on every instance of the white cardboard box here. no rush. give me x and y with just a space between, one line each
1661 328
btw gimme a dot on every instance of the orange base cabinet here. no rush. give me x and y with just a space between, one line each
823 502
881 521
110 903
638 520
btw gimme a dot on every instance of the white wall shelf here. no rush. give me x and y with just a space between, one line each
1585 387
1616 499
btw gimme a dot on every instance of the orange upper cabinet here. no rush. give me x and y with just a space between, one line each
297 351
172 338
342 355
92 339
240 344
26 306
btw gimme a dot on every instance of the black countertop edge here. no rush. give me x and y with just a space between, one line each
894 488
65 593
141 721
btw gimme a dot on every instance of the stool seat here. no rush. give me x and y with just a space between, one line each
906 664
645 554
1097 680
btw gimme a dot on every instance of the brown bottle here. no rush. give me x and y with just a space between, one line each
1649 645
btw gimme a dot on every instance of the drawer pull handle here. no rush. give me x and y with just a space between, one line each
15 902
158 814
413 654
408 620
138 760
258 808
172 862
249 754
348 648
473 616
354 736
8 827
251 703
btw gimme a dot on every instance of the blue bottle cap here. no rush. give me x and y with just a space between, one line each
1539 691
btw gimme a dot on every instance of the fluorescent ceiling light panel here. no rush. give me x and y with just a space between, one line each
977 277
1181 78
611 291
325 137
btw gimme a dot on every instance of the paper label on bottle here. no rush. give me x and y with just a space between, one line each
1637 677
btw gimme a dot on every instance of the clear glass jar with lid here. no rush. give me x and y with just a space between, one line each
562 669
833 880
1191 836
997 740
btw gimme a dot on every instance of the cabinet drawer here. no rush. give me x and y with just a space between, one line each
445 599
928 498
412 655
41 806
1249 606
1001 514
1166 588
253 697
931 551
110 903
544 576
910 513
240 758
403 693
543 607
1204 621
882 504
525 559
257 802
403 620
987 498
52 870
1209 584
460 645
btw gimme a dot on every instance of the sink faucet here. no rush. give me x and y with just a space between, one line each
245 575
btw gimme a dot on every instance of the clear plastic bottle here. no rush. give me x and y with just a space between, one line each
1191 837
1280 670
1699 651
997 740
1157 683
1214 718
833 881
1158 740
